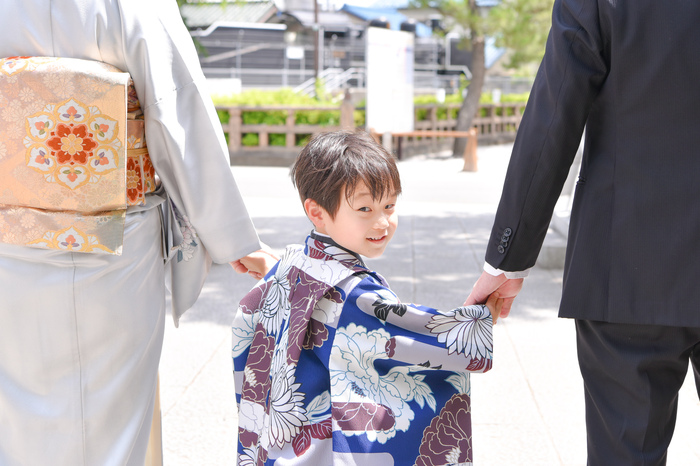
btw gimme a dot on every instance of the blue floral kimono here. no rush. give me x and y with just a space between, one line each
331 368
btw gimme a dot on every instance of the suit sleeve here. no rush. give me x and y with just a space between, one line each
572 71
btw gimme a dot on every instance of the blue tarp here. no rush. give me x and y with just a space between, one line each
390 14
491 52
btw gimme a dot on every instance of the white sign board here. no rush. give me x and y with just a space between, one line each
389 80
295 52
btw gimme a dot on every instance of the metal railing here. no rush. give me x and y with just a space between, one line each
334 79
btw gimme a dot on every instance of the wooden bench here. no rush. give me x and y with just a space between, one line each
470 160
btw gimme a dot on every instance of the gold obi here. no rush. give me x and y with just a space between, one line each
72 154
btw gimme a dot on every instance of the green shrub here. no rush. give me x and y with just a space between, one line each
223 116
286 97
250 139
302 139
277 139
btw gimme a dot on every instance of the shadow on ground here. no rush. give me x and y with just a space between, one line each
432 260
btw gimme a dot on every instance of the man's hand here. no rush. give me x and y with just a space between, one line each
507 289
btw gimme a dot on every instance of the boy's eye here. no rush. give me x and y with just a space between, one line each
390 206
364 209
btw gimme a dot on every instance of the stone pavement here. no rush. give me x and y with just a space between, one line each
527 411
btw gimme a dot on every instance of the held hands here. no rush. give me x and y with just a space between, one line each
257 263
495 305
487 284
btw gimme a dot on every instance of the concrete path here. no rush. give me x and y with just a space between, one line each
527 411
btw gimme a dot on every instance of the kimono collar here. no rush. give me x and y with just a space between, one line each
320 246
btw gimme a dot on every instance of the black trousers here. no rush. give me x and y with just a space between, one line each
632 375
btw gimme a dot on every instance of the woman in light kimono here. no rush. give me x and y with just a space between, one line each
81 334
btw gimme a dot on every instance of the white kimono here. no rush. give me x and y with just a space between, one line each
81 334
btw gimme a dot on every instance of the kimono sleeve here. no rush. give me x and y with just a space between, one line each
184 136
457 340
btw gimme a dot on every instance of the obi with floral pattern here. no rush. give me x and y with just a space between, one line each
72 154
331 368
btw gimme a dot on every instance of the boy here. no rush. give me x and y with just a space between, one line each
329 366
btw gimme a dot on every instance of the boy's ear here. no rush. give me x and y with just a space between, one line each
316 214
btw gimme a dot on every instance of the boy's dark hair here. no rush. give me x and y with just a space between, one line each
334 163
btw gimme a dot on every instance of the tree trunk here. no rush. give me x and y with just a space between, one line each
470 105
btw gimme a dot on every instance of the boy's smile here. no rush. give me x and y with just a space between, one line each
362 225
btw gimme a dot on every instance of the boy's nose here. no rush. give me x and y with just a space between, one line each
382 221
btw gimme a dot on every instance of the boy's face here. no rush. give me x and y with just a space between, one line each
362 224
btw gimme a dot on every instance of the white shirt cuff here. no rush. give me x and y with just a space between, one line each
491 270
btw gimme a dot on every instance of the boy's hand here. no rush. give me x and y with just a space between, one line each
257 263
495 304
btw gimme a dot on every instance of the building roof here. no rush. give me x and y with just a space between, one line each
390 14
329 20
205 14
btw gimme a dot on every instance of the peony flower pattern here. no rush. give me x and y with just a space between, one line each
256 381
308 292
316 334
357 385
447 440
72 144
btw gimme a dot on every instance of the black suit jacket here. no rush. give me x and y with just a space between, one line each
629 71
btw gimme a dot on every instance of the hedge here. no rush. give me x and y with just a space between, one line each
321 117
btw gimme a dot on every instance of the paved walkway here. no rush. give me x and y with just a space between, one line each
527 411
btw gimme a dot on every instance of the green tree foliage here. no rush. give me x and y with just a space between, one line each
521 26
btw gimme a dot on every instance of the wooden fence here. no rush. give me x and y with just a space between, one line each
495 123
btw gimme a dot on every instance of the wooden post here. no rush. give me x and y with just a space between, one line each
235 122
470 159
263 139
347 110
432 113
493 119
432 116
290 136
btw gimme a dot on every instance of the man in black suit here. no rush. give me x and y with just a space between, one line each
629 71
